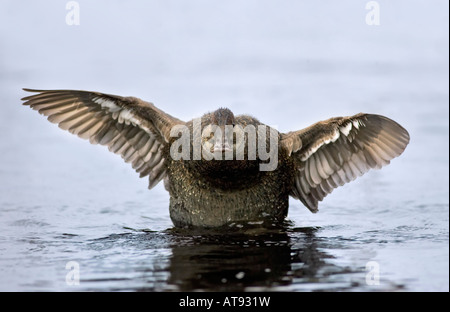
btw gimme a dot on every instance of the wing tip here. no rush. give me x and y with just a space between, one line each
26 98
30 90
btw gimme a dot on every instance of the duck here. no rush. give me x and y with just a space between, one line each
220 168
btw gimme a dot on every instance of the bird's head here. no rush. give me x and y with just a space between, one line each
221 124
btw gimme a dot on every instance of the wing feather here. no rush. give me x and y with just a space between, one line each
130 127
338 150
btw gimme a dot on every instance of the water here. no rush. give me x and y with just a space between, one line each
64 201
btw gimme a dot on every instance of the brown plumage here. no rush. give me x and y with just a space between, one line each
310 163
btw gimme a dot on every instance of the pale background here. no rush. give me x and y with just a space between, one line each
289 63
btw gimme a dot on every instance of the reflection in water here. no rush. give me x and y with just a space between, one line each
252 259
242 261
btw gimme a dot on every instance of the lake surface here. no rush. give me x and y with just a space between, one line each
72 212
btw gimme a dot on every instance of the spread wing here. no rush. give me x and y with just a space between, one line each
136 130
331 153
